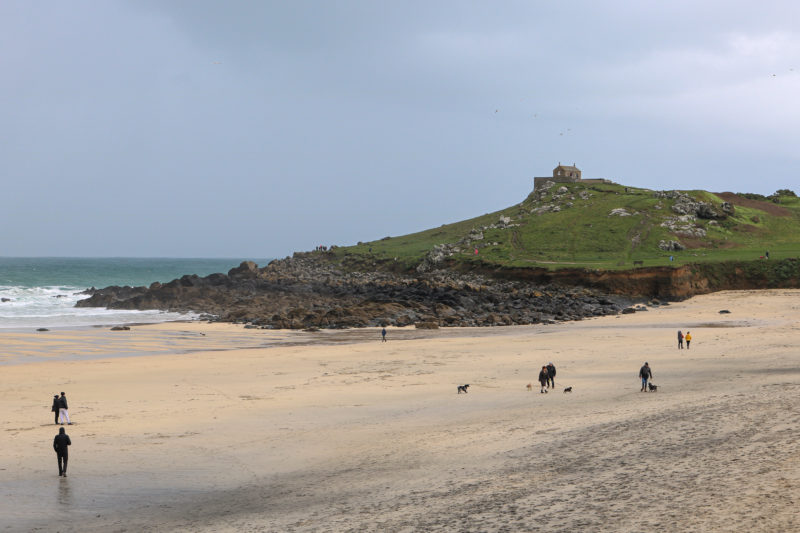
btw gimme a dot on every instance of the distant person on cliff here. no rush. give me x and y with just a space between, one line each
383 335
646 374
766 254
56 407
63 413
61 445
551 375
544 376
680 340
688 338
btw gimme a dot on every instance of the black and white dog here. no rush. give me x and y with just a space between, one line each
653 388
463 388
568 389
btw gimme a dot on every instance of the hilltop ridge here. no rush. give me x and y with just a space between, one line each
600 226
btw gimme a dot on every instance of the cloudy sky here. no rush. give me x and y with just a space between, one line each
205 128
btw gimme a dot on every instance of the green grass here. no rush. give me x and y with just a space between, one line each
584 235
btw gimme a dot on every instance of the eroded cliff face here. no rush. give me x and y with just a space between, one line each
667 283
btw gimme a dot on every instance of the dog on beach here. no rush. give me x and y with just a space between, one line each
529 387
568 389
463 388
653 388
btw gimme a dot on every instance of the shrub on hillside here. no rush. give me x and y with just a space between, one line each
752 196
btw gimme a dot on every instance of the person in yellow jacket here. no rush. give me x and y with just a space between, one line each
688 339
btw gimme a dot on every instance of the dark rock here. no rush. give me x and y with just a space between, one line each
724 312
245 269
426 325
728 208
42 329
5 299
307 291
120 328
628 311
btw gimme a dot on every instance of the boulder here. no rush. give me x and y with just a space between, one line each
245 269
671 246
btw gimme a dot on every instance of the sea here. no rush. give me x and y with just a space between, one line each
41 292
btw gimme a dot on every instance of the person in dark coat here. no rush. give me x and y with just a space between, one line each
543 377
61 445
63 414
55 408
645 373
680 340
551 375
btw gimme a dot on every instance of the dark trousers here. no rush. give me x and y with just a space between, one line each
62 457
551 382
56 419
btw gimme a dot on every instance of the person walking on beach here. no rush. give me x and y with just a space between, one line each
680 340
688 338
383 335
645 373
63 413
55 408
544 376
60 445
551 375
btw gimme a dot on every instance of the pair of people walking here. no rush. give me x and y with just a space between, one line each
60 409
547 377
682 337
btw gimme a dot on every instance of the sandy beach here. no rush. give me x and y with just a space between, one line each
213 427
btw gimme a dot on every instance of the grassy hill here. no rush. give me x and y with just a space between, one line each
602 226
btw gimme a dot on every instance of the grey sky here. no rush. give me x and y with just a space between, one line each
211 128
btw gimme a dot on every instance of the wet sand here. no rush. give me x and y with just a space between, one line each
209 427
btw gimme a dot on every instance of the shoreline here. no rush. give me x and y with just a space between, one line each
372 436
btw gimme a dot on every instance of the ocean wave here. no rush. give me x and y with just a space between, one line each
54 306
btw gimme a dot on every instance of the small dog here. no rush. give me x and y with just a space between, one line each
463 388
568 389
653 388
529 386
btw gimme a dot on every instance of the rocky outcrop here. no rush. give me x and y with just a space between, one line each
671 246
306 291
474 239
686 205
